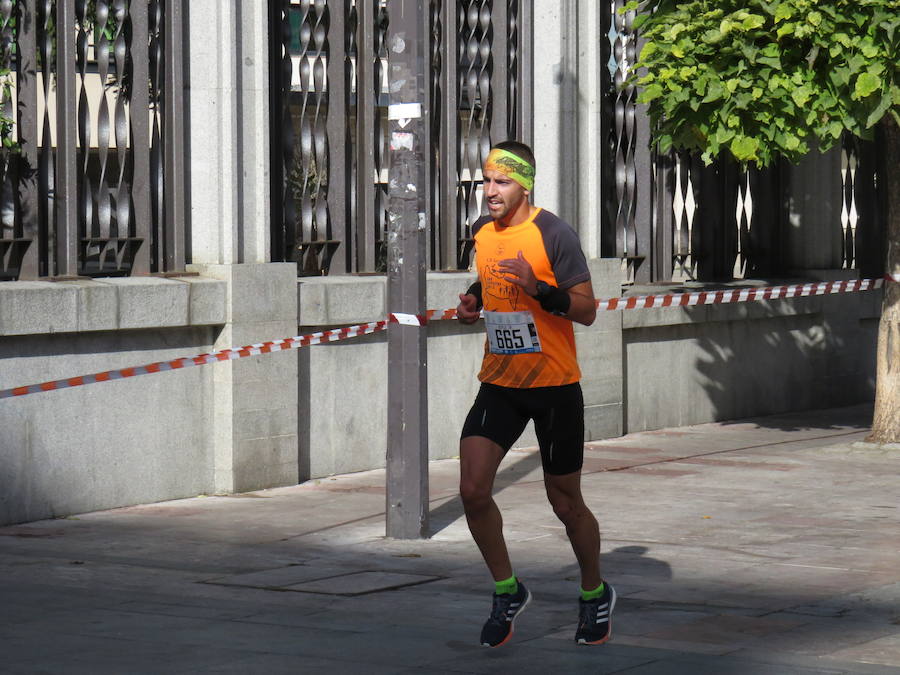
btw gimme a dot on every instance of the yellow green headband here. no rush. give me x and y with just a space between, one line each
511 165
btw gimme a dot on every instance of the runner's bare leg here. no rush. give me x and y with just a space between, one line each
564 493
479 459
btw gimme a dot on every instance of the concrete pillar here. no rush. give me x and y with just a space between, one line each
590 141
568 138
255 398
227 92
555 92
814 195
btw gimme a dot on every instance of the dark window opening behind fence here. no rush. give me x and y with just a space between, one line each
670 218
329 124
667 217
94 182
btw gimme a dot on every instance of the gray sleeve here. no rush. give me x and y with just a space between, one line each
564 251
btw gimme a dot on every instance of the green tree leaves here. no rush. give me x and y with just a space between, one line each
761 78
866 84
744 148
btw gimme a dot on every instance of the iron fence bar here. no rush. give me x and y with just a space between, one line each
140 132
365 135
336 131
762 252
89 208
607 130
849 166
278 134
474 81
525 98
714 248
66 183
692 182
706 219
512 67
94 232
430 156
683 230
382 157
642 194
663 215
434 34
727 250
871 206
744 223
122 134
173 132
156 154
624 136
46 159
498 101
449 139
27 122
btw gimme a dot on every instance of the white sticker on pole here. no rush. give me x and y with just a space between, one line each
407 319
401 140
404 111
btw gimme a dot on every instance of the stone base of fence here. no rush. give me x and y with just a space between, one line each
254 424
274 419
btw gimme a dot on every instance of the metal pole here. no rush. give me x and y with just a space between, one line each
173 129
66 184
140 129
27 85
407 440
365 137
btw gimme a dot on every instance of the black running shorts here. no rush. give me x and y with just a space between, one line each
501 413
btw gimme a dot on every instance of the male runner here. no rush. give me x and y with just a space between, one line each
533 282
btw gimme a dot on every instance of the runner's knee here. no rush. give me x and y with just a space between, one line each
475 496
567 509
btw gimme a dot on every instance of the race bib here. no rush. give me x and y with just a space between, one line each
511 333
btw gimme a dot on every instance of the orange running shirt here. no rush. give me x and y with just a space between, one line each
552 248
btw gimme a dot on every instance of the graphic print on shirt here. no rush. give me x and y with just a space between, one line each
494 283
550 247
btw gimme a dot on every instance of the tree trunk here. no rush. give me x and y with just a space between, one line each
886 421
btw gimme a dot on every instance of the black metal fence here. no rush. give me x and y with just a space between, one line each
668 216
94 185
671 217
329 107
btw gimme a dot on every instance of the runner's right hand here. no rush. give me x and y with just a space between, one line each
467 310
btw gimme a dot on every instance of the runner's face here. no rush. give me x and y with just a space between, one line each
503 195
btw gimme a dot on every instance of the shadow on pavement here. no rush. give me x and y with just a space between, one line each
451 511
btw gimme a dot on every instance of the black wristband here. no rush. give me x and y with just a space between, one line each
475 289
554 300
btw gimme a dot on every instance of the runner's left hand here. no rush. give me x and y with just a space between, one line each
519 272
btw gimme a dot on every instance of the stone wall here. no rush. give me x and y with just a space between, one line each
114 443
227 427
278 418
642 369
720 362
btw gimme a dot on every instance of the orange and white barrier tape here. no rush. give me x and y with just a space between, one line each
202 359
298 341
740 294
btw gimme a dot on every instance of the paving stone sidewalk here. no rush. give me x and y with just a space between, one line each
762 546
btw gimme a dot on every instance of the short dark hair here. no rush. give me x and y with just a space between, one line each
518 149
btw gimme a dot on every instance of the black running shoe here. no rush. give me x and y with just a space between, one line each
595 618
499 627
